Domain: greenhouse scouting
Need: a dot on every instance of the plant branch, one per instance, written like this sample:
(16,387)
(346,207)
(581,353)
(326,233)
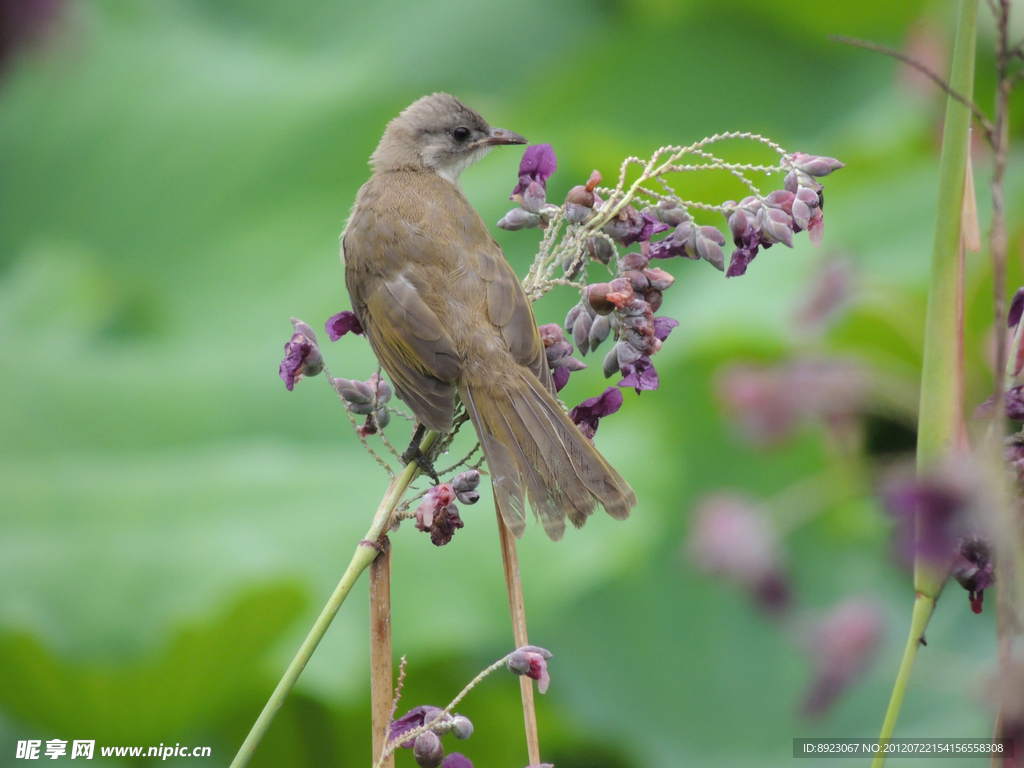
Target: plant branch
(967,101)
(381,662)
(365,553)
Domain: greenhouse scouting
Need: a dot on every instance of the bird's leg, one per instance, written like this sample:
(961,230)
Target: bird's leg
(413,453)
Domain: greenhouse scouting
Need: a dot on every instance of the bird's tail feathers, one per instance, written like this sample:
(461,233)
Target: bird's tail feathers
(532,446)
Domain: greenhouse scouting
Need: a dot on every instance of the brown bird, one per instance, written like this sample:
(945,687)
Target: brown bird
(447,317)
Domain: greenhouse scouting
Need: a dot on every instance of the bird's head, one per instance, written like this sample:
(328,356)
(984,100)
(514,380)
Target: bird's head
(438,133)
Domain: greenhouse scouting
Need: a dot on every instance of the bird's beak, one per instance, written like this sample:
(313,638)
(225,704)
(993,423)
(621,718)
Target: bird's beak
(500,136)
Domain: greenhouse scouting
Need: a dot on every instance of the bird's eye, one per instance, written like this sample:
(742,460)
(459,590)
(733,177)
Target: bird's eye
(461,133)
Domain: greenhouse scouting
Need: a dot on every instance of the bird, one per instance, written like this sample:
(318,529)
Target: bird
(449,320)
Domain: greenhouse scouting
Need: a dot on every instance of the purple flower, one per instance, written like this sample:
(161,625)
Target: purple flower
(559,354)
(1014,404)
(973,569)
(639,374)
(587,414)
(301,355)
(1016,309)
(457,760)
(532,661)
(931,512)
(538,163)
(342,323)
(410,721)
(663,327)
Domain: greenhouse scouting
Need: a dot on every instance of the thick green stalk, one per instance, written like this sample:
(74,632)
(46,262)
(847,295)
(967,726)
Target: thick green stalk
(365,554)
(940,423)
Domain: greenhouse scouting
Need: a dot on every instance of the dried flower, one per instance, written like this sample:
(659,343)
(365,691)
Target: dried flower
(438,515)
(973,568)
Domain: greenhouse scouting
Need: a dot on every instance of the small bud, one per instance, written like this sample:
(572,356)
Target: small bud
(776,226)
(531,660)
(633,260)
(518,218)
(383,417)
(597,297)
(570,318)
(659,279)
(466,481)
(600,249)
(671,213)
(638,280)
(709,242)
(599,331)
(579,204)
(462,727)
(354,391)
(305,330)
(468,497)
(611,362)
(428,750)
(816,166)
(581,333)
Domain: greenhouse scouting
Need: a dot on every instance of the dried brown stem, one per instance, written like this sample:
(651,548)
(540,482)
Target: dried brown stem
(941,82)
(381,663)
(515,600)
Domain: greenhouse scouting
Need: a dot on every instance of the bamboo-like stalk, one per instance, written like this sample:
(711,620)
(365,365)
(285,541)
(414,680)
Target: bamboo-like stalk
(381,661)
(940,424)
(514,584)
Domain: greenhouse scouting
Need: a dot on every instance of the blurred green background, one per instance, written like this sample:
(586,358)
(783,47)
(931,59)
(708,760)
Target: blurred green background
(174,176)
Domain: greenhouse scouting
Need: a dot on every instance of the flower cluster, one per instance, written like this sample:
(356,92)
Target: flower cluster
(437,513)
(426,746)
(366,398)
(559,355)
(757,222)
(301,355)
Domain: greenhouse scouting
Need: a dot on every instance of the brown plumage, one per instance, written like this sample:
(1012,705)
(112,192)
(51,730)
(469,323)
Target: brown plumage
(447,317)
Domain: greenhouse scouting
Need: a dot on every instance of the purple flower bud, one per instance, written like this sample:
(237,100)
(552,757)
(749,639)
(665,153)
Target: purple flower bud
(932,513)
(587,414)
(462,727)
(597,296)
(537,165)
(355,392)
(534,197)
(1016,309)
(468,497)
(581,333)
(531,661)
(611,366)
(671,213)
(776,227)
(842,646)
(816,166)
(305,330)
(427,750)
(518,218)
(579,204)
(973,568)
(301,358)
(709,242)
(343,322)
(457,760)
(600,329)
(600,249)
(560,377)
(1013,402)
(659,279)
(627,227)
(383,417)
(466,481)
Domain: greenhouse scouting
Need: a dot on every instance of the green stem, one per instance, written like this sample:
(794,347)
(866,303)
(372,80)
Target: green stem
(940,429)
(365,554)
(923,608)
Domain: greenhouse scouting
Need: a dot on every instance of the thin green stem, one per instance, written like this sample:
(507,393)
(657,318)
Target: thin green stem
(923,608)
(365,553)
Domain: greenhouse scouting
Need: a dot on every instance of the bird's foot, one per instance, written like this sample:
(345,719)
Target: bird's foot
(413,453)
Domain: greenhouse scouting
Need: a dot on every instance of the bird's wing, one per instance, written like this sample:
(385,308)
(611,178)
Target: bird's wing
(510,310)
(414,348)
